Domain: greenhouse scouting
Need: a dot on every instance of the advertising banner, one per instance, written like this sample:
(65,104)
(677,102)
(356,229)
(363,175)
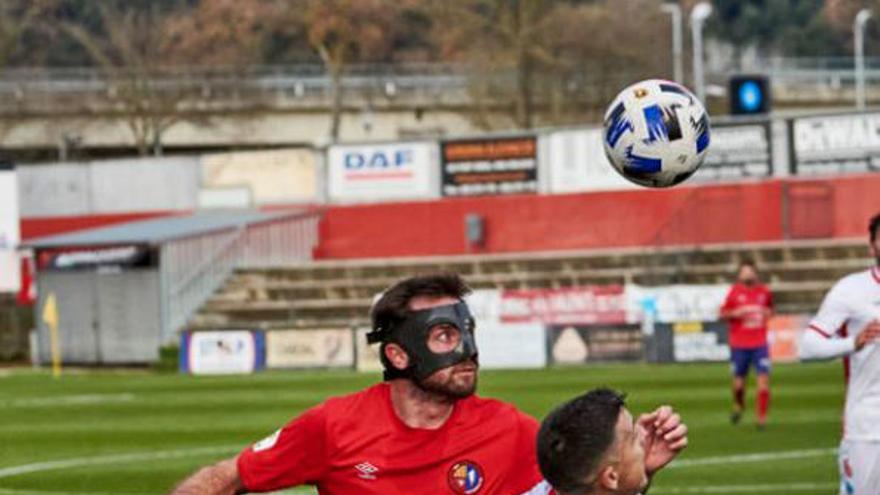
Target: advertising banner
(367,355)
(511,345)
(836,143)
(737,152)
(382,172)
(784,336)
(573,305)
(119,257)
(675,303)
(271,176)
(700,341)
(485,305)
(575,161)
(324,348)
(10,265)
(578,344)
(222,352)
(474,167)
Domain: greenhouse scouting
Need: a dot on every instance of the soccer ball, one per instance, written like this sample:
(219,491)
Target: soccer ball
(656,133)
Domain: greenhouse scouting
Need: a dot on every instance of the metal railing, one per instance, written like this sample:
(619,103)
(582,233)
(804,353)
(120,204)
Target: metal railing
(194,268)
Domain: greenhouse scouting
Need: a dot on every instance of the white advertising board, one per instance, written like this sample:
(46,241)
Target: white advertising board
(367,354)
(837,143)
(324,348)
(522,345)
(223,352)
(383,172)
(574,160)
(676,303)
(10,265)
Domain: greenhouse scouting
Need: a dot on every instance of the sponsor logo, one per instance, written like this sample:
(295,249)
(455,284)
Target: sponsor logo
(465,477)
(366,471)
(382,164)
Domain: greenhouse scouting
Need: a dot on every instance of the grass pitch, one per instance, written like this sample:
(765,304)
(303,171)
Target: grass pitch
(133,432)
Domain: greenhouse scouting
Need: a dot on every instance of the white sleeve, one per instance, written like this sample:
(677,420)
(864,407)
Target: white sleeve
(833,313)
(822,338)
(814,345)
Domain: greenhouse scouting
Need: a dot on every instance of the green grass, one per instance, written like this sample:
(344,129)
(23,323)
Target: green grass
(100,417)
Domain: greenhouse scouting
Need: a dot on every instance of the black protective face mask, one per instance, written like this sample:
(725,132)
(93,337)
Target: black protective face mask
(412,335)
(748,282)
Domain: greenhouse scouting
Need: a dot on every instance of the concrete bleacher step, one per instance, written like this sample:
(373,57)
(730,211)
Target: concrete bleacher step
(334,293)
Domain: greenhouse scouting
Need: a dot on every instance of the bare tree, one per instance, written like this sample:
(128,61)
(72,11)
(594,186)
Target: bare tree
(504,41)
(16,17)
(344,31)
(547,62)
(130,52)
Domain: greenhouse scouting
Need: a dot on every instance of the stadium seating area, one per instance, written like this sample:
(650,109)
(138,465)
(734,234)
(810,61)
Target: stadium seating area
(339,293)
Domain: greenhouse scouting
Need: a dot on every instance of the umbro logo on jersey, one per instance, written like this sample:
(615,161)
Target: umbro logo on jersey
(366,471)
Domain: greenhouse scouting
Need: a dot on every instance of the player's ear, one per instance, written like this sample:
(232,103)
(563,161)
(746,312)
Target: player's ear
(396,356)
(608,478)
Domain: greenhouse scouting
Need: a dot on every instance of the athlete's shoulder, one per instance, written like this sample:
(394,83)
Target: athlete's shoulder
(357,403)
(856,281)
(496,411)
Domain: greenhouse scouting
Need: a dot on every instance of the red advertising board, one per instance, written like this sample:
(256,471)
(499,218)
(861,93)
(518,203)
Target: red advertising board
(785,333)
(572,305)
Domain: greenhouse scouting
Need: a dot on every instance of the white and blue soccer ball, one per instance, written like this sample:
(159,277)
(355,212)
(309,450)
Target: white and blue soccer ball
(656,133)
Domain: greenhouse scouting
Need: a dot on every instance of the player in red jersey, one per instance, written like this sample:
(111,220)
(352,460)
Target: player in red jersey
(421,431)
(748,307)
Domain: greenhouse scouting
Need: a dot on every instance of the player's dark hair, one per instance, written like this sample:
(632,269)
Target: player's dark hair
(874,227)
(575,437)
(393,307)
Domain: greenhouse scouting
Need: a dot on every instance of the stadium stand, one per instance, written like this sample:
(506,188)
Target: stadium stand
(339,293)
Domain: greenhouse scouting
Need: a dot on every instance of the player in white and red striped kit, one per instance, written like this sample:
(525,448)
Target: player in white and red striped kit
(848,326)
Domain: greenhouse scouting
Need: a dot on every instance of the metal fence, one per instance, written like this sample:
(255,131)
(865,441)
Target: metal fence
(194,268)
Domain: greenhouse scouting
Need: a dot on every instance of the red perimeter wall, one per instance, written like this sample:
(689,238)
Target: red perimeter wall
(742,212)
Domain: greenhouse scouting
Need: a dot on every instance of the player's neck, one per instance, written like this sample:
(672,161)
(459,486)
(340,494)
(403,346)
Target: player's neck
(419,408)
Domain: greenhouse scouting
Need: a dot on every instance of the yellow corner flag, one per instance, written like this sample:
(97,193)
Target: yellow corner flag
(50,318)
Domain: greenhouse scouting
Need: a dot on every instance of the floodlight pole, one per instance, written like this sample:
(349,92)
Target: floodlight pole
(674,10)
(859,40)
(699,14)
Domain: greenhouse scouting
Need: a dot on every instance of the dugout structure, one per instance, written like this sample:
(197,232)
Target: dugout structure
(124,291)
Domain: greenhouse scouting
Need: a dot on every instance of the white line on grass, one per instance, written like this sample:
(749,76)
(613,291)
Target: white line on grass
(14,491)
(763,456)
(68,400)
(768,487)
(38,467)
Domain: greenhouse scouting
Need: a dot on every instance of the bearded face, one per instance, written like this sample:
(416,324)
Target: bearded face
(455,382)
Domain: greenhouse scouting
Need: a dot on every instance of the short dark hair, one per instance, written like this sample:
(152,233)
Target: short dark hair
(393,307)
(874,227)
(574,438)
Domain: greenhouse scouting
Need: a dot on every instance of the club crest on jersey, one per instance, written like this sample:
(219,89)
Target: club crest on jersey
(465,477)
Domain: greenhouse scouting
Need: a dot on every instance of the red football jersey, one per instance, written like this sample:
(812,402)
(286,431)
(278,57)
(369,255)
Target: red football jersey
(749,331)
(358,444)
